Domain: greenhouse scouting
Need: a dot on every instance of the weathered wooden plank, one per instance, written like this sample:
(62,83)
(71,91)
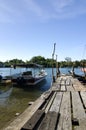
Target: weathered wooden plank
(34,120)
(65,113)
(57,102)
(69,88)
(78,111)
(67,81)
(49,122)
(59,81)
(49,103)
(63,88)
(46,94)
(58,84)
(47,98)
(62,82)
(78,86)
(83,96)
(56,87)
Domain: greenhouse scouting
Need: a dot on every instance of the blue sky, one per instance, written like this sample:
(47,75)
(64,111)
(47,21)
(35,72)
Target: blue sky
(30,28)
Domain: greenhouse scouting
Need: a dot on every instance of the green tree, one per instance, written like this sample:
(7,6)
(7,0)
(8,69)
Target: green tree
(38,59)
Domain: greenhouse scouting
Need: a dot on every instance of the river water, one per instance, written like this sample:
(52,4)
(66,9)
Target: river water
(15,99)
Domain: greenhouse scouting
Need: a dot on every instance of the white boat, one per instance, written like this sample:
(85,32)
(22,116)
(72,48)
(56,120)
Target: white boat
(29,78)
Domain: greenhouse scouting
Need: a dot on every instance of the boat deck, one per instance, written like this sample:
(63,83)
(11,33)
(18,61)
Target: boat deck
(63,107)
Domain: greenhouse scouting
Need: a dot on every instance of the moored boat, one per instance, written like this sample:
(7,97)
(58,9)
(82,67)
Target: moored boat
(29,78)
(81,78)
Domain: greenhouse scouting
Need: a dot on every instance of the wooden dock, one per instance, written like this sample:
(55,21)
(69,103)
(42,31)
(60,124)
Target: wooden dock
(63,107)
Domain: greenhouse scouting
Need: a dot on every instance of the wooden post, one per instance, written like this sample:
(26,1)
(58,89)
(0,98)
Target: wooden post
(52,66)
(53,77)
(73,72)
(56,66)
(84,64)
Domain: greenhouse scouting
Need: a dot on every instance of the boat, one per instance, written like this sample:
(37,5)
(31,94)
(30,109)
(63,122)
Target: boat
(81,78)
(29,77)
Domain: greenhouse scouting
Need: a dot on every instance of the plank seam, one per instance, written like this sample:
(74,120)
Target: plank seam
(82,101)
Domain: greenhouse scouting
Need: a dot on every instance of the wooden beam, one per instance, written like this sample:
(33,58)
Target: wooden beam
(83,96)
(65,113)
(57,102)
(34,120)
(78,111)
(49,122)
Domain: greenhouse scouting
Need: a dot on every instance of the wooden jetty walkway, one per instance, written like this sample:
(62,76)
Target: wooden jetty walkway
(62,107)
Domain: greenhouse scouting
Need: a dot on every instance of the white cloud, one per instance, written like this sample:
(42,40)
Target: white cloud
(62,9)
(25,10)
(32,6)
(59,5)
(8,11)
(18,10)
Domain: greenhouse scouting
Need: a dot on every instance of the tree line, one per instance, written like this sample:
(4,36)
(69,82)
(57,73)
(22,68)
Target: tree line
(45,62)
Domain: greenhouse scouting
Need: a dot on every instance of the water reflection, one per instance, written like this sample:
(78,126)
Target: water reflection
(17,94)
(4,96)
